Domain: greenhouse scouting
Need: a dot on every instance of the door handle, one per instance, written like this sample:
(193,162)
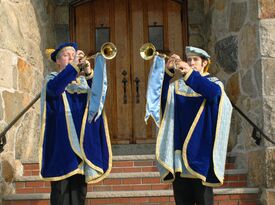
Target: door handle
(137,89)
(124,81)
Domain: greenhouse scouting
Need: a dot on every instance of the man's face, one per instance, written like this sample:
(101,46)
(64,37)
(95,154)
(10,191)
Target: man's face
(65,57)
(196,63)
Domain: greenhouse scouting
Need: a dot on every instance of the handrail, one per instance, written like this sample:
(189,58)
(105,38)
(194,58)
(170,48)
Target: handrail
(3,139)
(256,129)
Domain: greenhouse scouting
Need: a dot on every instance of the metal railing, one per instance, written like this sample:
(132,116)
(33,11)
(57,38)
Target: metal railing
(3,139)
(257,133)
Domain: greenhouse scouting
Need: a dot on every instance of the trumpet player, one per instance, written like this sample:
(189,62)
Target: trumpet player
(73,151)
(193,133)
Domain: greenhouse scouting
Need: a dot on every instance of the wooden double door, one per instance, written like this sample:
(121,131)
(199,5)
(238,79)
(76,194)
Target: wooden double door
(129,24)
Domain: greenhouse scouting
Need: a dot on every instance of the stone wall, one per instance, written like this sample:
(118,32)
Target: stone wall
(234,45)
(25,31)
(240,37)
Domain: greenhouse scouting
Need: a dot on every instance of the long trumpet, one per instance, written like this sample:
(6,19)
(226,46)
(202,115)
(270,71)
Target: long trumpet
(108,50)
(147,51)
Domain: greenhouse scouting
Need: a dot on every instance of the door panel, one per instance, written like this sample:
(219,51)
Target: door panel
(128,22)
(123,73)
(83,33)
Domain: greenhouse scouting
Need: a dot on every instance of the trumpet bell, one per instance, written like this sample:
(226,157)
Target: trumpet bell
(147,51)
(108,50)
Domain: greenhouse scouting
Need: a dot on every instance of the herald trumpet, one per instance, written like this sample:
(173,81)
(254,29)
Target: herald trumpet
(147,51)
(108,50)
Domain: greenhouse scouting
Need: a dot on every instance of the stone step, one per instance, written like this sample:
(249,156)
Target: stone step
(125,181)
(223,196)
(134,180)
(129,172)
(123,164)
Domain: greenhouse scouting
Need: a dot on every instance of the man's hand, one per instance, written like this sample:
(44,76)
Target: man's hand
(182,66)
(87,68)
(83,64)
(78,56)
(171,61)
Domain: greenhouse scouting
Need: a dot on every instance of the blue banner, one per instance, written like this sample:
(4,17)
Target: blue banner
(153,96)
(98,90)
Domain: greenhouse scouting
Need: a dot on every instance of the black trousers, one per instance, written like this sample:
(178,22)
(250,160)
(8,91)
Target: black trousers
(70,191)
(189,191)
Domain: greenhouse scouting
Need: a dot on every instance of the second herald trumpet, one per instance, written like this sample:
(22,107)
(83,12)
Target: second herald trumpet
(147,51)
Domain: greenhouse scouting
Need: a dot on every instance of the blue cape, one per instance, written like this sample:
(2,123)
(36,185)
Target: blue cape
(194,130)
(69,143)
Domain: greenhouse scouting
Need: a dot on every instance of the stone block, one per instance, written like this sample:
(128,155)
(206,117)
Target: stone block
(270,167)
(194,29)
(256,168)
(226,51)
(7,171)
(8,74)
(268,76)
(238,15)
(267,9)
(270,196)
(5,188)
(258,76)
(220,5)
(249,85)
(211,2)
(252,108)
(269,118)
(61,2)
(26,76)
(1,108)
(214,68)
(253,12)
(195,17)
(62,15)
(249,48)
(261,166)
(28,134)
(267,196)
(20,31)
(267,37)
(197,41)
(233,87)
(37,82)
(10,136)
(219,24)
(62,33)
(235,129)
(3,125)
(14,103)
(11,169)
(196,5)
